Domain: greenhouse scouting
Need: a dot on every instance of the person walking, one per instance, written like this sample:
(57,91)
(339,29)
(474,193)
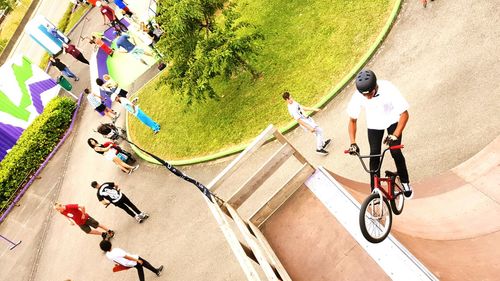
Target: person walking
(108,13)
(76,215)
(306,122)
(124,259)
(110,193)
(96,101)
(136,111)
(386,109)
(126,44)
(74,52)
(64,69)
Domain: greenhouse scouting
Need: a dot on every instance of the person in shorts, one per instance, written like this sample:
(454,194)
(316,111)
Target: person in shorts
(76,215)
(126,44)
(97,104)
(306,122)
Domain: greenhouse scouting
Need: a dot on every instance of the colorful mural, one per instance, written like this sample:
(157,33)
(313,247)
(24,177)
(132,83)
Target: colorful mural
(25,89)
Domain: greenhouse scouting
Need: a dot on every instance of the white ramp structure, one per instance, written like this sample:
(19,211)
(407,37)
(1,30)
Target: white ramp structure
(270,235)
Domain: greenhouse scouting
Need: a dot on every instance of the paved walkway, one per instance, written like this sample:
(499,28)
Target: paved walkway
(442,59)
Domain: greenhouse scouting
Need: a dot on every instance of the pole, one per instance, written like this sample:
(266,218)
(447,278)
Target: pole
(12,243)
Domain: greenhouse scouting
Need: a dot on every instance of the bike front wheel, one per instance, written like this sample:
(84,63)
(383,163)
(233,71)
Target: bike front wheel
(398,202)
(375,218)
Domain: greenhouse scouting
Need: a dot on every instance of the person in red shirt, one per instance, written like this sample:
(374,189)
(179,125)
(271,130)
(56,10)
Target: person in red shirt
(107,12)
(99,42)
(74,52)
(76,215)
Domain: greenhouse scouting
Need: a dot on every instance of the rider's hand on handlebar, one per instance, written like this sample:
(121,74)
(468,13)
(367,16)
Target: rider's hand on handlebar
(353,149)
(390,140)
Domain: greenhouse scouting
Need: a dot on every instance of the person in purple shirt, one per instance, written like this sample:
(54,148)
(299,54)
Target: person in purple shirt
(126,44)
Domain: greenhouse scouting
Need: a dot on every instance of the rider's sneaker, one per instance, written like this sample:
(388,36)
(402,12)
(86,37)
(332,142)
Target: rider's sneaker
(408,191)
(321,151)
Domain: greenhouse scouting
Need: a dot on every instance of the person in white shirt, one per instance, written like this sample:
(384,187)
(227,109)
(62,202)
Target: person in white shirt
(125,259)
(306,122)
(386,109)
(97,103)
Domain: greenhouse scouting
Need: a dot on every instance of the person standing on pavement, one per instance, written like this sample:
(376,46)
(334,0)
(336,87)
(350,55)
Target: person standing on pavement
(74,52)
(125,259)
(134,109)
(100,43)
(110,193)
(64,69)
(108,13)
(96,101)
(76,215)
(306,122)
(386,109)
(126,44)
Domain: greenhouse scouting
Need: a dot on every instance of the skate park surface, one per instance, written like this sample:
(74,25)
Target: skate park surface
(441,58)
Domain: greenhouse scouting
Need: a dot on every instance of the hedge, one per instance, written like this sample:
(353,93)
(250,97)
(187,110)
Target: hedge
(34,145)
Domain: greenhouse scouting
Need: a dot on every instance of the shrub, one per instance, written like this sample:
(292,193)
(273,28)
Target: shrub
(34,145)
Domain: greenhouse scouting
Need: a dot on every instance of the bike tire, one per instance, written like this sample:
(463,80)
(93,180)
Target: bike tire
(370,204)
(398,203)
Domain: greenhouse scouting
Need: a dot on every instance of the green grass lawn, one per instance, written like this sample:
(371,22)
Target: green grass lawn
(309,47)
(12,21)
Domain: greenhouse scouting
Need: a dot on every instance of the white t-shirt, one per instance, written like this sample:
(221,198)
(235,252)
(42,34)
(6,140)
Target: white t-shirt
(297,112)
(383,110)
(295,109)
(118,255)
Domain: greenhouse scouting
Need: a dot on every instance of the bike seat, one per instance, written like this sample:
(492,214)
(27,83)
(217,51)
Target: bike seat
(390,174)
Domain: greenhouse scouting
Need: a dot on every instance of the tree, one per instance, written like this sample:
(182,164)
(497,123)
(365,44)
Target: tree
(6,4)
(205,39)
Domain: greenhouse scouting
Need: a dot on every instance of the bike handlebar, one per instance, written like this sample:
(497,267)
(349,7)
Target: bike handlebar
(394,147)
(390,147)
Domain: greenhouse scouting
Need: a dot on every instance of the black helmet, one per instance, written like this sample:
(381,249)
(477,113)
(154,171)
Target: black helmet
(366,81)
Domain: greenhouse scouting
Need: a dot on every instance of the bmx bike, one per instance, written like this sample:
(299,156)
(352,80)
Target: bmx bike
(375,216)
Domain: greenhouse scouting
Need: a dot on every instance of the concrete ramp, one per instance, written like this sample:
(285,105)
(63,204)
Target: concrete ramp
(316,236)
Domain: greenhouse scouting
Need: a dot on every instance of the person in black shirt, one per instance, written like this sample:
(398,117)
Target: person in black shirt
(109,193)
(64,69)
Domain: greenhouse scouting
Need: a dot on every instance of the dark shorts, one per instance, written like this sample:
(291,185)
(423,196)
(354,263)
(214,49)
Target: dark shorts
(89,223)
(100,108)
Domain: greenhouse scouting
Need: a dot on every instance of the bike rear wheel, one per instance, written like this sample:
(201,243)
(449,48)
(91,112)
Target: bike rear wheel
(398,202)
(375,218)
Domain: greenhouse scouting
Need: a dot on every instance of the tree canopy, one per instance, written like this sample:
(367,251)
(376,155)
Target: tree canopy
(202,40)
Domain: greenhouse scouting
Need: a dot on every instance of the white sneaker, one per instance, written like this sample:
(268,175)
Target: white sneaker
(138,218)
(408,191)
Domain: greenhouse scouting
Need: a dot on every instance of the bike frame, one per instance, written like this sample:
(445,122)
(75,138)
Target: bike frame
(377,179)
